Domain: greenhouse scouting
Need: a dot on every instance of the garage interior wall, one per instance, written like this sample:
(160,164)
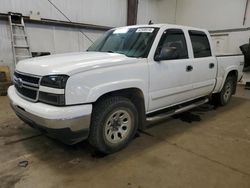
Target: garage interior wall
(159,11)
(219,16)
(57,39)
(213,15)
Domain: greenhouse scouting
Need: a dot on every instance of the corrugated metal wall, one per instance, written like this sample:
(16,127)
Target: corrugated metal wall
(159,11)
(113,13)
(100,12)
(212,14)
(45,39)
(217,15)
(60,39)
(5,44)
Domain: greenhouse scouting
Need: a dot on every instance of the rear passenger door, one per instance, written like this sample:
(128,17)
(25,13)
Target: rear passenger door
(204,64)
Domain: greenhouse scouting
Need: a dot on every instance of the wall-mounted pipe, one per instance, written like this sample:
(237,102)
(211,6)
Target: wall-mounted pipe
(52,22)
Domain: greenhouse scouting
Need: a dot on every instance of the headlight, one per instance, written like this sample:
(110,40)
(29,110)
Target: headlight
(57,82)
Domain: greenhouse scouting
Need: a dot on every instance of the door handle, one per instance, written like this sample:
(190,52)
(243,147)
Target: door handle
(189,68)
(211,65)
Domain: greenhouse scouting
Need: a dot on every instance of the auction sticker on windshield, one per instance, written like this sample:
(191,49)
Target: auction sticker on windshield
(144,30)
(121,30)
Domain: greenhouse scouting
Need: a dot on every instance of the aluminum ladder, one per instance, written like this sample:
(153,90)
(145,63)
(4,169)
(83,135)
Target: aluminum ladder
(19,39)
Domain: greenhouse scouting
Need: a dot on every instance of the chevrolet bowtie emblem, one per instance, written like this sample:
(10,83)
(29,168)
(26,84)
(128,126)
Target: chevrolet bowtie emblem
(19,82)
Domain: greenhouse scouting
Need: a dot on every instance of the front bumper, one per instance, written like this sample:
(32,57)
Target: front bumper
(68,124)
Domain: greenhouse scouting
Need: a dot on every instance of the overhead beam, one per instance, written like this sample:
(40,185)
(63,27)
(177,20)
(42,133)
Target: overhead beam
(52,22)
(132,9)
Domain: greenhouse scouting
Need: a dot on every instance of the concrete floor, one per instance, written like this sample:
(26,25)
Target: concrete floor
(208,147)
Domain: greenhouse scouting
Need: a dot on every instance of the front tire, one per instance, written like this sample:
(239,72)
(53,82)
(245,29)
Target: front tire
(114,123)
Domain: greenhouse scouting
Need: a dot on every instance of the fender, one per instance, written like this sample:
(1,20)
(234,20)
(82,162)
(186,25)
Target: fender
(98,91)
(88,86)
(228,69)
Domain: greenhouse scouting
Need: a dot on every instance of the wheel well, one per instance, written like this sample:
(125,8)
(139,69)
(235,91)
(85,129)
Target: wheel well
(233,73)
(136,96)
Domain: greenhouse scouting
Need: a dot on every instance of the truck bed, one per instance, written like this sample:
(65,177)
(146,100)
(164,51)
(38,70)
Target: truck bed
(226,63)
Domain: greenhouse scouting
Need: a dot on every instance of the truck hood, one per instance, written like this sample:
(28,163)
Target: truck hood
(70,63)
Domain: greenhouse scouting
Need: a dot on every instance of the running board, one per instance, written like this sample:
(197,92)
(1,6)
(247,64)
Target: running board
(176,111)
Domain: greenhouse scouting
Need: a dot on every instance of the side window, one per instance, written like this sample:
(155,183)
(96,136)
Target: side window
(200,43)
(174,38)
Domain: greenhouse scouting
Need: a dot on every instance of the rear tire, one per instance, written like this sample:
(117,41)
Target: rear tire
(227,91)
(114,123)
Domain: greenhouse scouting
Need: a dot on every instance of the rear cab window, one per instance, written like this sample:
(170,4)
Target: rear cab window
(200,44)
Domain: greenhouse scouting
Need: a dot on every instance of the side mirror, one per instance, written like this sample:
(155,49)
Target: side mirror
(167,53)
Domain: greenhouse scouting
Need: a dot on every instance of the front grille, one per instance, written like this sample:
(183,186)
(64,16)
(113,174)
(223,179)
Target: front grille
(27,78)
(27,86)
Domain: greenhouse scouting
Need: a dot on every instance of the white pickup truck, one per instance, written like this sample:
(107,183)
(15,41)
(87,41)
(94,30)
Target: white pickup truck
(127,78)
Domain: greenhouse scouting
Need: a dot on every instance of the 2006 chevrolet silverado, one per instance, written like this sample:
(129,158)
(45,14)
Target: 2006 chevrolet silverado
(128,77)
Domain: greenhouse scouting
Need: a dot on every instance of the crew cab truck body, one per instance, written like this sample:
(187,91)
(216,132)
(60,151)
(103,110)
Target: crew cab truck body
(127,77)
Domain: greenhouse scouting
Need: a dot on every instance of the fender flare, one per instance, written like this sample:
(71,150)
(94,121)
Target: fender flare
(96,92)
(227,71)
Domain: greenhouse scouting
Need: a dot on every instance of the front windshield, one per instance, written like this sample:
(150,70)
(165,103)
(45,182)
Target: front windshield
(132,42)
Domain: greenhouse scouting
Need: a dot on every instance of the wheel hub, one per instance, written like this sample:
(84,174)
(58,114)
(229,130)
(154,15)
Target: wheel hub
(115,125)
(118,126)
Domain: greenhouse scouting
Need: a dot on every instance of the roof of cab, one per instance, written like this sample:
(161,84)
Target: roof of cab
(164,25)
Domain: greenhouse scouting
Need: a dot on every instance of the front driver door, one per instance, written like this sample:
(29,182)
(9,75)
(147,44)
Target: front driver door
(170,80)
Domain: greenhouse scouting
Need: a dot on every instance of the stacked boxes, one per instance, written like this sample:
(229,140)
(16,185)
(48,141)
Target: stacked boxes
(5,80)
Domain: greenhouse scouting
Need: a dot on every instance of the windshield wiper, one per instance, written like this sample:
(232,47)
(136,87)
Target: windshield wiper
(110,51)
(117,52)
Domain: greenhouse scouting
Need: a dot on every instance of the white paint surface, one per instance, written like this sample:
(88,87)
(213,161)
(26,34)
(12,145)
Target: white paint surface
(93,74)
